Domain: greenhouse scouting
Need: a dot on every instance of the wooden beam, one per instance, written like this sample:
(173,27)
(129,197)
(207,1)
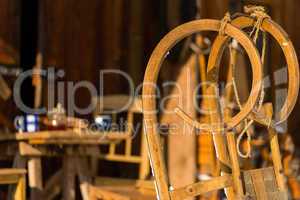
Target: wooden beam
(26,149)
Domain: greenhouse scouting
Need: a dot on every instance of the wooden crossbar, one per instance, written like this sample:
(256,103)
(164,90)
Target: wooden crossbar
(202,187)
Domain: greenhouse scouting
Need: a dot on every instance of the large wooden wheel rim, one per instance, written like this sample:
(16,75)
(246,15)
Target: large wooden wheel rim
(287,47)
(151,76)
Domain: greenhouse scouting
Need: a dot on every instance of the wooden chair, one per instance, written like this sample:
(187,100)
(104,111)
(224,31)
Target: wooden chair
(116,188)
(15,176)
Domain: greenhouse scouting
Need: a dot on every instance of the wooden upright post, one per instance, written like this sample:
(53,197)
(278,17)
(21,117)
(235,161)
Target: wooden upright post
(68,181)
(35,178)
(20,193)
(35,164)
(275,151)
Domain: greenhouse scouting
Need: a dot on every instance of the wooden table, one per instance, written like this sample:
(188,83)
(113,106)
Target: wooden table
(74,147)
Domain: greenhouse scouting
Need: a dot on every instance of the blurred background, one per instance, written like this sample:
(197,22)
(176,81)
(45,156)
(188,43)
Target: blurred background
(82,37)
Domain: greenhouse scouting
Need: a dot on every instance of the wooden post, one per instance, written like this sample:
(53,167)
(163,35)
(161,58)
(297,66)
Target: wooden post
(145,164)
(84,177)
(20,193)
(35,178)
(37,81)
(68,180)
(35,164)
(20,163)
(218,136)
(207,161)
(235,167)
(275,151)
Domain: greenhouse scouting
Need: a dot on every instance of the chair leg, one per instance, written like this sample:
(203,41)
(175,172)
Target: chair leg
(20,192)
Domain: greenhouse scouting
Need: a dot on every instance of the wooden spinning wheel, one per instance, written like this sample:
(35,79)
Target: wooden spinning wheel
(149,108)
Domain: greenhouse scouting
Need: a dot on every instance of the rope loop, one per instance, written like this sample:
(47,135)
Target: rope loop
(259,13)
(239,139)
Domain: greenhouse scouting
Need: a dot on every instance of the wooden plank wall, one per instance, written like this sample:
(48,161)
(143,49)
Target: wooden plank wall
(70,35)
(83,38)
(10,22)
(10,17)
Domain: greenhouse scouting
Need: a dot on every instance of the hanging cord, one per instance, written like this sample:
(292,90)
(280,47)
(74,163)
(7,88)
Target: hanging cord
(259,13)
(226,19)
(247,123)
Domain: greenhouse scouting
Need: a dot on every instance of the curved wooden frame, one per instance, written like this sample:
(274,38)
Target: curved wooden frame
(149,102)
(287,47)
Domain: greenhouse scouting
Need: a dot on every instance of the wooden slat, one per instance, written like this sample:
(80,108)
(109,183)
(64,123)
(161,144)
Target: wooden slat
(119,182)
(118,103)
(9,179)
(99,193)
(121,158)
(68,134)
(26,149)
(12,171)
(202,187)
(114,181)
(67,142)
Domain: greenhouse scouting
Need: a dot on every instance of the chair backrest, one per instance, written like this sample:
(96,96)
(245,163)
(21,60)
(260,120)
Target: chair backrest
(117,104)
